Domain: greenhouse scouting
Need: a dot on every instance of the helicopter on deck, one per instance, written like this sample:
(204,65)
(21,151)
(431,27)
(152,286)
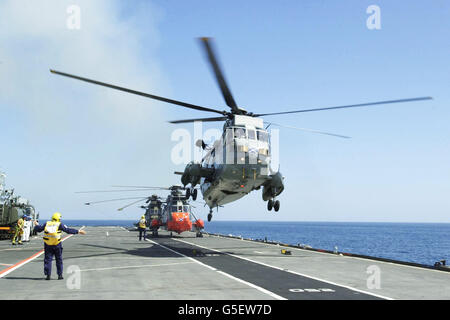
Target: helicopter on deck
(173,213)
(238,162)
(12,208)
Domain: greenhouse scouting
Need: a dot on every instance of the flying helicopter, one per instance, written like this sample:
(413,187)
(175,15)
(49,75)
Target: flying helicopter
(173,213)
(238,162)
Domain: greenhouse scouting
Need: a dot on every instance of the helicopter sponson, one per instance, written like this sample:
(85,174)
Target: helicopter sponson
(273,186)
(194,172)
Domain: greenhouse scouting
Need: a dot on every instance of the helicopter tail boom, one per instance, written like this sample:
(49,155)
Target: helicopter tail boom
(193,172)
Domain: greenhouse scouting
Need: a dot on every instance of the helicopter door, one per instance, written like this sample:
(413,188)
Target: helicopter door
(252,145)
(241,142)
(228,147)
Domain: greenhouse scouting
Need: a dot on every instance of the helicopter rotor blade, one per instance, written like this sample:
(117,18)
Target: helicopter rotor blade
(130,204)
(102,191)
(200,119)
(208,47)
(117,199)
(147,95)
(142,187)
(347,106)
(311,130)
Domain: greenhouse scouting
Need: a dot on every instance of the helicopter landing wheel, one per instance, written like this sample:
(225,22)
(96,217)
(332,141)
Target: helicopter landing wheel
(199,235)
(270,205)
(209,216)
(276,205)
(194,194)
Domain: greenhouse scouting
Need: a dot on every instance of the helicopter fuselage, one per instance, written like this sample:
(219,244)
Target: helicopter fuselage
(174,214)
(236,164)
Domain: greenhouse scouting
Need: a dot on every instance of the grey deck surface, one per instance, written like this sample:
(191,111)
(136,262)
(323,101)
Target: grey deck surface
(110,263)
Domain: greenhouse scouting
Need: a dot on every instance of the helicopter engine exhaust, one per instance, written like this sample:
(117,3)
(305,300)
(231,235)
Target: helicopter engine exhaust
(194,172)
(273,187)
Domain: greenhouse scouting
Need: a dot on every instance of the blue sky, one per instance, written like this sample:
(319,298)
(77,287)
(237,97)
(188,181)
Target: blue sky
(63,136)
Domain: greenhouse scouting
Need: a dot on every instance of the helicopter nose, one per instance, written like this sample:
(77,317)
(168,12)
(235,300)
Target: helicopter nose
(180,222)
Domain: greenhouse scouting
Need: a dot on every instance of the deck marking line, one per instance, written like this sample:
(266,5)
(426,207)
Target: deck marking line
(139,266)
(192,259)
(10,269)
(293,272)
(19,264)
(273,295)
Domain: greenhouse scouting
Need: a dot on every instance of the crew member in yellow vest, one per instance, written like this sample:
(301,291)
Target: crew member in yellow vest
(52,243)
(142,228)
(18,231)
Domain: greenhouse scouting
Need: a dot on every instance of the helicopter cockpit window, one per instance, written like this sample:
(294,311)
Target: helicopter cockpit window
(262,136)
(239,133)
(251,134)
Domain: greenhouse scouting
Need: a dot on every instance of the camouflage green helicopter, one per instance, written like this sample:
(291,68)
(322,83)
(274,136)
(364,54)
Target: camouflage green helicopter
(12,208)
(240,161)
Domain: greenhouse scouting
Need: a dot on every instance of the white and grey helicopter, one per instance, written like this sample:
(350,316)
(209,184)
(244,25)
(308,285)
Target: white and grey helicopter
(238,162)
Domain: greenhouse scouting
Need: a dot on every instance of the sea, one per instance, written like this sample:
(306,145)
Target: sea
(423,243)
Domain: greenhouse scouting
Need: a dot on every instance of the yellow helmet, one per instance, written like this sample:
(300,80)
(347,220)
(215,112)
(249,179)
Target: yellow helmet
(143,217)
(56,216)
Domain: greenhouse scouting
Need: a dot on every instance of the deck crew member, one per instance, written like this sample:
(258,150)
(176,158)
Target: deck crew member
(142,228)
(18,231)
(52,243)
(26,229)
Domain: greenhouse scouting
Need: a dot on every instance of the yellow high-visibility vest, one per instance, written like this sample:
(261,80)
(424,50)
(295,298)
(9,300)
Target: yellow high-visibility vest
(52,234)
(20,223)
(142,223)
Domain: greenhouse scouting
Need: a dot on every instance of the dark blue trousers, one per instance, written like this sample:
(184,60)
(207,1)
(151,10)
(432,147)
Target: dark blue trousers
(49,252)
(142,232)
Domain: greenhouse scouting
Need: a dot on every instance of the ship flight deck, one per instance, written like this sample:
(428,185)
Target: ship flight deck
(110,263)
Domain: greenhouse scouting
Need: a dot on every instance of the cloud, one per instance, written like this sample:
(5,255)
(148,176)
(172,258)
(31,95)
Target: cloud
(66,135)
(108,46)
